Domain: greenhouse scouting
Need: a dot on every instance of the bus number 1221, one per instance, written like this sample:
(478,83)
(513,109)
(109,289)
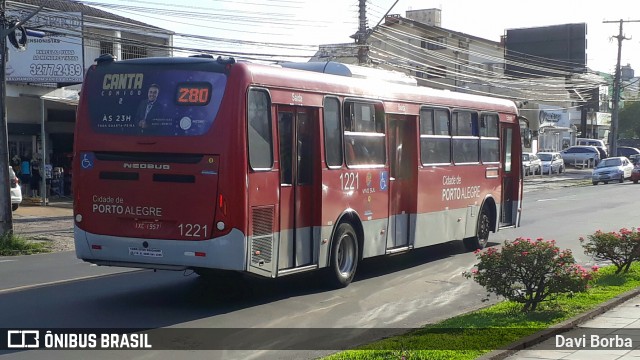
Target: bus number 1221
(193,230)
(349,181)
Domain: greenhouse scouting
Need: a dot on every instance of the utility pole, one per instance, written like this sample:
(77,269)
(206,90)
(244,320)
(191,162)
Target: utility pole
(361,35)
(6,217)
(613,145)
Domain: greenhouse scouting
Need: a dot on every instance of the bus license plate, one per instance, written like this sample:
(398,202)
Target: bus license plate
(145,252)
(144,225)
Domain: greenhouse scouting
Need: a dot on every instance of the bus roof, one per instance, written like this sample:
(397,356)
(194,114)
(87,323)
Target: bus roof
(275,76)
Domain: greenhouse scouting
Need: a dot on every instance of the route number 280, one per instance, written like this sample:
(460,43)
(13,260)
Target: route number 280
(193,230)
(349,181)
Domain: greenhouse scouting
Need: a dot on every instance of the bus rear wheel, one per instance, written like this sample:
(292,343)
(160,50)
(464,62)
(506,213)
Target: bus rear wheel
(481,239)
(344,256)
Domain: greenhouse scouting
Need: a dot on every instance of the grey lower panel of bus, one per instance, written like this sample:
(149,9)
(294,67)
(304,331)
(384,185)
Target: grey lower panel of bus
(226,252)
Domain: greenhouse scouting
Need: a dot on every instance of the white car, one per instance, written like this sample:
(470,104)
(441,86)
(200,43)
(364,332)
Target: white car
(531,164)
(612,169)
(551,162)
(16,192)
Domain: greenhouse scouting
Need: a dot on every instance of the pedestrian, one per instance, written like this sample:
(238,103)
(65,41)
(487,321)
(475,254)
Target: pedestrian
(15,164)
(48,175)
(36,177)
(25,175)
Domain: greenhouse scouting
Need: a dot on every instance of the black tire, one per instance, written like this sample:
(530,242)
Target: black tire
(479,241)
(344,256)
(594,182)
(621,180)
(14,207)
(635,181)
(605,182)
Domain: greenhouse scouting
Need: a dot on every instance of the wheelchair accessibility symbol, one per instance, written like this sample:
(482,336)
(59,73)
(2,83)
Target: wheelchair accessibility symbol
(383,180)
(87,160)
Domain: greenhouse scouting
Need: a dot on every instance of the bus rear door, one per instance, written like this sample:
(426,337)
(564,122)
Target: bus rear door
(510,175)
(296,150)
(402,187)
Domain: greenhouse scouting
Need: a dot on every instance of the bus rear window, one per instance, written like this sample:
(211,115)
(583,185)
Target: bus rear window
(151,101)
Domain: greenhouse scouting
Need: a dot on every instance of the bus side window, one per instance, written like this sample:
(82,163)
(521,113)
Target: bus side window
(364,136)
(466,139)
(489,140)
(435,142)
(332,132)
(259,130)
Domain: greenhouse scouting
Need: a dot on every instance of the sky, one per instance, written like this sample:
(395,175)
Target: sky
(292,23)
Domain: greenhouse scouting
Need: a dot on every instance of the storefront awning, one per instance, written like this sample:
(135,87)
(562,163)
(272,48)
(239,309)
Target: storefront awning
(61,100)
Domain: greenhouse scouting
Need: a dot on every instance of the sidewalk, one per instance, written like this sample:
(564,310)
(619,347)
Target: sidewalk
(570,173)
(609,332)
(32,207)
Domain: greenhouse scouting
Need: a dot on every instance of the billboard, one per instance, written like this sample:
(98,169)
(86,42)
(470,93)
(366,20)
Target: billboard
(55,58)
(537,52)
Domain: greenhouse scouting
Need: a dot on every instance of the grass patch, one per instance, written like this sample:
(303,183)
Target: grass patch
(11,245)
(471,335)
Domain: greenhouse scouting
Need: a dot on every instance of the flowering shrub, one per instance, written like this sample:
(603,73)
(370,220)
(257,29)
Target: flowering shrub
(529,272)
(620,248)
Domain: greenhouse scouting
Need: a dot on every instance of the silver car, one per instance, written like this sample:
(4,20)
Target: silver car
(16,192)
(612,169)
(581,155)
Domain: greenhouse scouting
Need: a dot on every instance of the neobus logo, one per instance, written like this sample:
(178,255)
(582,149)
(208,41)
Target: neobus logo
(147,166)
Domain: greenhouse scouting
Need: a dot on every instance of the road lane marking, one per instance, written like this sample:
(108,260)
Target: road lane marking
(64,281)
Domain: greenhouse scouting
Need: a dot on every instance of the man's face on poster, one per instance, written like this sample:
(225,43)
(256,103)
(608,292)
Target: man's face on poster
(153,93)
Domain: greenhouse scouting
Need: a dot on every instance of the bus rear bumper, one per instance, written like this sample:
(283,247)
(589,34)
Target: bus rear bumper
(226,252)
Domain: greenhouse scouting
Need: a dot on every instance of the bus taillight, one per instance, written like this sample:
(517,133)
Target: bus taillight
(222,204)
(221,225)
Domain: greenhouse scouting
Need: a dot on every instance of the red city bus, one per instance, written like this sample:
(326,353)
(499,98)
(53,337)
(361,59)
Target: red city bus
(208,164)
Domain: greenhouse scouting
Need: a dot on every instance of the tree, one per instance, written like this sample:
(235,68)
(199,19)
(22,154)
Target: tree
(629,121)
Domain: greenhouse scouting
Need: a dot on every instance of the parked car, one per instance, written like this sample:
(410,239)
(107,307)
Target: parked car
(16,191)
(581,155)
(551,162)
(627,151)
(635,174)
(616,168)
(599,144)
(531,164)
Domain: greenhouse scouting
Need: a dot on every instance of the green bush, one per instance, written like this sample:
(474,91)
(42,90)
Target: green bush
(529,272)
(16,245)
(620,248)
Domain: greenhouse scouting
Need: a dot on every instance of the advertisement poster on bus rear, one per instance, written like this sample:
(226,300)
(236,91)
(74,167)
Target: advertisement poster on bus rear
(125,99)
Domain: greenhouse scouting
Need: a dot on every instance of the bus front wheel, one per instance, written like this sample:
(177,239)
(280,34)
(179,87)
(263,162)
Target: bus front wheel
(344,256)
(481,239)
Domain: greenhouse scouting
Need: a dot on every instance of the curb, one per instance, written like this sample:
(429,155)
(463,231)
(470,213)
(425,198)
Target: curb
(562,327)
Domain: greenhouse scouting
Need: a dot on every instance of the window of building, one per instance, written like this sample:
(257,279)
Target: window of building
(106,47)
(437,72)
(133,52)
(434,43)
